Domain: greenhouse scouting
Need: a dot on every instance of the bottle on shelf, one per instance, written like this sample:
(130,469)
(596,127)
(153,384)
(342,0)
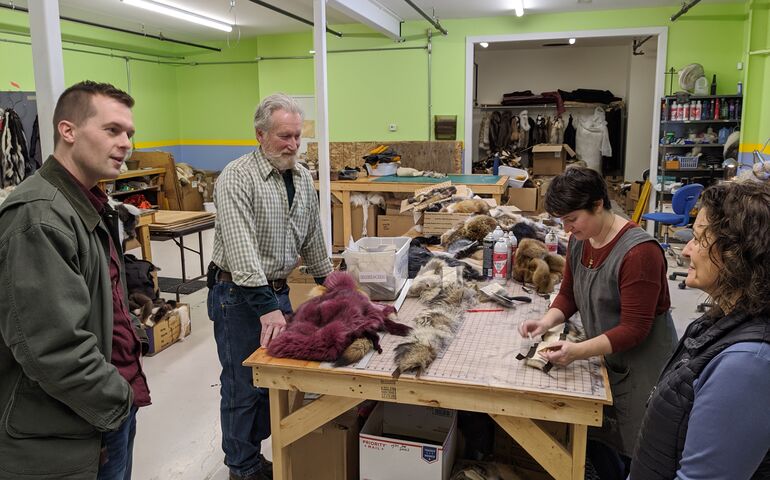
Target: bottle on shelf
(686,110)
(738,106)
(716,109)
(663,110)
(680,112)
(674,113)
(712,106)
(724,114)
(731,110)
(714,85)
(698,110)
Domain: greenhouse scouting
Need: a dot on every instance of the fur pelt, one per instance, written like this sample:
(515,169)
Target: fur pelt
(533,264)
(419,256)
(440,288)
(473,205)
(142,303)
(323,327)
(475,228)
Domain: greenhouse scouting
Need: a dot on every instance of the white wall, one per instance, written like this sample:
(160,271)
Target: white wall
(641,102)
(550,68)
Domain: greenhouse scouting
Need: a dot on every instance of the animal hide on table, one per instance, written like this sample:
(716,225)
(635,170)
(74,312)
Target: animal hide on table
(534,264)
(567,331)
(324,327)
(441,289)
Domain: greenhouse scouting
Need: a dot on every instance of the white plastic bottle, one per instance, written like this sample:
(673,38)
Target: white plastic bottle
(686,111)
(552,242)
(497,233)
(513,244)
(674,112)
(500,260)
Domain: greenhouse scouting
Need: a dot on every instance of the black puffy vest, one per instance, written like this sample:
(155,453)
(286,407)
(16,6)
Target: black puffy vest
(664,429)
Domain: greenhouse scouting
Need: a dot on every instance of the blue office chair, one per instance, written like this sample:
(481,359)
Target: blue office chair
(683,202)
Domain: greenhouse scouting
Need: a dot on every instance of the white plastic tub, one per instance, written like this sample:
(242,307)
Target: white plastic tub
(383,169)
(380,265)
(514,175)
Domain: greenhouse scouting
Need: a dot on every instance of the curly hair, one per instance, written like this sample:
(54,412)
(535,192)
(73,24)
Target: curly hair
(738,239)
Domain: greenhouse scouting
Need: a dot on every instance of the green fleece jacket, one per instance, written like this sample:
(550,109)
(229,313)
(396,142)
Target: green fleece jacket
(58,390)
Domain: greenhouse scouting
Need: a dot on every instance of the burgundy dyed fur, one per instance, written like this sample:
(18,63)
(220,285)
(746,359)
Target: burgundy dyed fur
(323,327)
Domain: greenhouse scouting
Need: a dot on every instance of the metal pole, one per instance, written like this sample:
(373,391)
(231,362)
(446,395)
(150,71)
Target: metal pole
(291,15)
(322,121)
(426,17)
(685,8)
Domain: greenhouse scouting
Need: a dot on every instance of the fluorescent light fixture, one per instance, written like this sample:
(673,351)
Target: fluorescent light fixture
(571,41)
(518,6)
(175,12)
(484,44)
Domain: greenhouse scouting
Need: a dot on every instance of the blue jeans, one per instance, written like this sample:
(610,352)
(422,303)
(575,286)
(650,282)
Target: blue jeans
(119,449)
(244,408)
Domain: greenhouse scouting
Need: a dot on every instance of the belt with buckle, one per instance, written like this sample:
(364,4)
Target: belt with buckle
(276,285)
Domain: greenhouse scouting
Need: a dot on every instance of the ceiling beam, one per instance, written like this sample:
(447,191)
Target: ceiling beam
(371,13)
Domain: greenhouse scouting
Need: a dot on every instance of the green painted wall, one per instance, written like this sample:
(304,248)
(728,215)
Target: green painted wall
(756,118)
(367,91)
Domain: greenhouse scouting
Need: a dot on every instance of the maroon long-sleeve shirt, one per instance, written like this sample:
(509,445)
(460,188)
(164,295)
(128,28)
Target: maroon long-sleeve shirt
(643,289)
(126,347)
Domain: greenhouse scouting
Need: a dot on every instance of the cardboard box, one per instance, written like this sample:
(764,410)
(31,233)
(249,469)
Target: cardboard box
(526,199)
(408,441)
(356,221)
(437,223)
(394,225)
(550,159)
(192,200)
(329,452)
(168,331)
(300,284)
(635,191)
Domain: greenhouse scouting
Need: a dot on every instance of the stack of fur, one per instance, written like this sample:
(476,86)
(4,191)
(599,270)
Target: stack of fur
(442,291)
(339,324)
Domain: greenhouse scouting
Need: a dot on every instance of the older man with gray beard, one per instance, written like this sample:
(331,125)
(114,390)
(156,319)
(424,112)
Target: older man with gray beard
(267,217)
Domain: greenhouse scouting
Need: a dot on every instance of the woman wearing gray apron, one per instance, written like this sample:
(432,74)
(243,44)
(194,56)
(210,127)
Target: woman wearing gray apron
(615,277)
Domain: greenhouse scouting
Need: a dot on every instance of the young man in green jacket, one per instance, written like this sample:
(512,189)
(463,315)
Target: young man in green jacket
(70,375)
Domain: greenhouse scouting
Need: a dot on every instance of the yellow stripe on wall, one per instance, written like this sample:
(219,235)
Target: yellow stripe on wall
(750,147)
(173,143)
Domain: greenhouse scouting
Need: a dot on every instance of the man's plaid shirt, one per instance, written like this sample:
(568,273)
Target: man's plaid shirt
(257,237)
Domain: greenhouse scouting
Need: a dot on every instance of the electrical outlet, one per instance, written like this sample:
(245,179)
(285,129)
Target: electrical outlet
(739,66)
(392,127)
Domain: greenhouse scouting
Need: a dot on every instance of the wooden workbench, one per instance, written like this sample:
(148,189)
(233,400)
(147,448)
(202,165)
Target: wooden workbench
(514,403)
(341,190)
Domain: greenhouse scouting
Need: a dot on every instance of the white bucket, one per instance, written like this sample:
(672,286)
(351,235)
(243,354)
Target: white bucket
(383,169)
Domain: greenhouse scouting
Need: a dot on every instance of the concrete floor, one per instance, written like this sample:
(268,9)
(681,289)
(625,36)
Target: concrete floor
(178,436)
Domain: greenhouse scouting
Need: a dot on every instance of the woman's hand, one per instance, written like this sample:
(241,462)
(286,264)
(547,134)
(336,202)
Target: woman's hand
(532,328)
(562,353)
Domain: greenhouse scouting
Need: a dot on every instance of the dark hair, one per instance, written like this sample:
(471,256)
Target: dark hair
(578,188)
(738,239)
(75,104)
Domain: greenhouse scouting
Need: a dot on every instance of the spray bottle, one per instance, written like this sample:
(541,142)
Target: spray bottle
(486,265)
(552,242)
(513,244)
(500,260)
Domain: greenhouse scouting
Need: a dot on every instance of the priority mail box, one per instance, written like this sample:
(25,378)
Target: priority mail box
(408,441)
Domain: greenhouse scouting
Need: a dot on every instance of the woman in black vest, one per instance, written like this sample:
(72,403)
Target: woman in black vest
(709,415)
(615,277)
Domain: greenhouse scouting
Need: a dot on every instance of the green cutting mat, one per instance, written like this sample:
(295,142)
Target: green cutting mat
(455,179)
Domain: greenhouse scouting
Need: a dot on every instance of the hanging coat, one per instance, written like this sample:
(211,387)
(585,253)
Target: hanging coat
(570,134)
(592,140)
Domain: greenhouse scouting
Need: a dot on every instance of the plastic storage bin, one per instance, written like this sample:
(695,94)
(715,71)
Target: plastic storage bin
(688,163)
(516,176)
(383,169)
(380,265)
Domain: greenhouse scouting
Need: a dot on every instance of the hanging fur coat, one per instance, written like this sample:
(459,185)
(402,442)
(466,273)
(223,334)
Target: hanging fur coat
(541,131)
(325,326)
(13,149)
(524,130)
(570,134)
(556,131)
(484,132)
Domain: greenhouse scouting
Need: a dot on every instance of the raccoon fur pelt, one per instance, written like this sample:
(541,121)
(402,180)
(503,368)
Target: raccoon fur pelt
(472,205)
(323,327)
(533,264)
(474,228)
(440,288)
